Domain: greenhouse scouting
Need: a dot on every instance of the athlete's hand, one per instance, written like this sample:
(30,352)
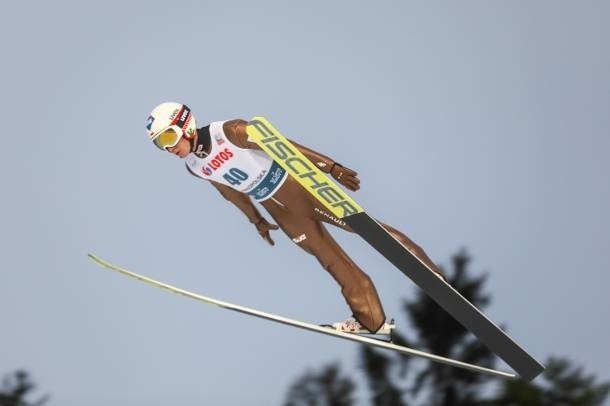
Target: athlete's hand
(345,176)
(263,228)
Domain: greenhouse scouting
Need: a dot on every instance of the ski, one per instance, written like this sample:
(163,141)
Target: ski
(300,324)
(343,207)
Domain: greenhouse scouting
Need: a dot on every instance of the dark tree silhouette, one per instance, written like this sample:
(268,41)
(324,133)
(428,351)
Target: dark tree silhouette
(441,334)
(377,367)
(561,384)
(327,388)
(396,379)
(16,387)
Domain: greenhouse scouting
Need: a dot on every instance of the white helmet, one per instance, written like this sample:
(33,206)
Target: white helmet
(168,122)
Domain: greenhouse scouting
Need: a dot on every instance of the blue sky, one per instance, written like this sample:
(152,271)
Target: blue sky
(481,125)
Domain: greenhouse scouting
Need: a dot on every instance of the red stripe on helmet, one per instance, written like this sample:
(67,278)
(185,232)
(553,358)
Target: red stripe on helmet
(175,120)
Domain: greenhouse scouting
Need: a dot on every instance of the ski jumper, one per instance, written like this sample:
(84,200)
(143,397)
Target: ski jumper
(241,171)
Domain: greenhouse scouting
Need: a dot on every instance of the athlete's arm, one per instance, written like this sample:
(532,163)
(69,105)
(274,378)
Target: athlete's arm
(236,132)
(243,203)
(345,176)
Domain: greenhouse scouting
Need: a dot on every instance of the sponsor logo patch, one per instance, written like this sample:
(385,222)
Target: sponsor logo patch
(199,151)
(300,238)
(330,217)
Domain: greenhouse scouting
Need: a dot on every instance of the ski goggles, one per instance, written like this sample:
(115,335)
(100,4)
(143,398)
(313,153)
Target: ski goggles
(168,138)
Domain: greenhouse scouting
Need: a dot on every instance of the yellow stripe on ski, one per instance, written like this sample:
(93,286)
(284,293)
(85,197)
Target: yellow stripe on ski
(302,169)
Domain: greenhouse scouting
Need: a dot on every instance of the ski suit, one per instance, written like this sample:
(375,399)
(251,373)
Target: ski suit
(241,172)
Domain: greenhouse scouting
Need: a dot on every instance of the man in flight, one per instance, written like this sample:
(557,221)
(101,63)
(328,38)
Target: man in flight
(222,154)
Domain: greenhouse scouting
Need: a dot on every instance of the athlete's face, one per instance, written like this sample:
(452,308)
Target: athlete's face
(181,149)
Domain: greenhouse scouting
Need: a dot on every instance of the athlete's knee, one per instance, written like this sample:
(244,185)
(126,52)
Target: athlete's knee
(399,235)
(364,282)
(359,283)
(414,248)
(408,243)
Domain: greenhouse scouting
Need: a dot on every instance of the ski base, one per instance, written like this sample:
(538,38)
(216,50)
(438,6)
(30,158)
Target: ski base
(303,325)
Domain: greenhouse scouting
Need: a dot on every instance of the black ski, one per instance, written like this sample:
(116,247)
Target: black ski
(339,203)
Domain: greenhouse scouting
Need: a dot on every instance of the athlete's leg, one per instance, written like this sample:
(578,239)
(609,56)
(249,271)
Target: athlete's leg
(356,286)
(413,248)
(303,203)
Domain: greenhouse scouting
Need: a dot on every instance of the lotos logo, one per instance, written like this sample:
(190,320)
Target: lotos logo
(149,122)
(217,161)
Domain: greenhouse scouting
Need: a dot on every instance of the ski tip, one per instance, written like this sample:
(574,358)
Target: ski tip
(97,260)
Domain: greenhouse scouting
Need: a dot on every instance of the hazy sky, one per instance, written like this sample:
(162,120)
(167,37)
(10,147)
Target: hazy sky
(475,124)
